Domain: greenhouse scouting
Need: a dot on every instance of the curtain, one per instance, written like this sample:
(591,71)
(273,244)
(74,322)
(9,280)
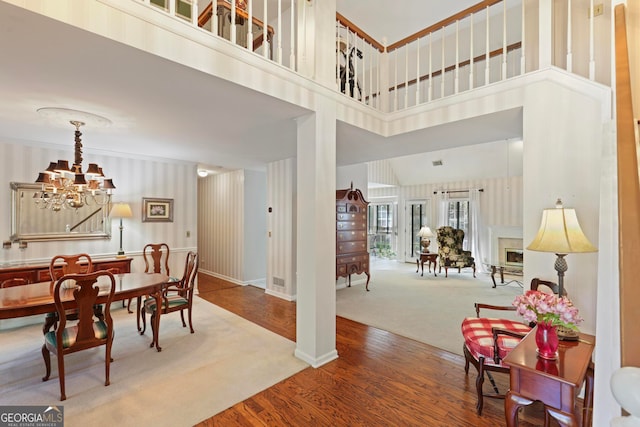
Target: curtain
(442,200)
(475,227)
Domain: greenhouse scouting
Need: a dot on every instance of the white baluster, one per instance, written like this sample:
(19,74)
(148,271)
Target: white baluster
(471,80)
(486,55)
(355,64)
(456,80)
(266,43)
(406,76)
(214,19)
(522,50)
(430,90)
(172,7)
(250,26)
(569,54)
(337,54)
(417,71)
(279,32)
(233,21)
(443,68)
(372,52)
(194,13)
(592,60)
(504,39)
(395,82)
(292,54)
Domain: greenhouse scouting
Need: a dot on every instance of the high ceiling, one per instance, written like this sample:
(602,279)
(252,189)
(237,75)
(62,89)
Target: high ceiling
(50,64)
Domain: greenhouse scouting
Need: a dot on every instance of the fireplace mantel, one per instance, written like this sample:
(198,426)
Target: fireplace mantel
(496,233)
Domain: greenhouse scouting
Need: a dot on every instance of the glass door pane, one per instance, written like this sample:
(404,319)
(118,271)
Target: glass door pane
(416,217)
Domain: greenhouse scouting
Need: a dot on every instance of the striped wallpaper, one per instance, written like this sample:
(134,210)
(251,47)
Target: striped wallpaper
(134,179)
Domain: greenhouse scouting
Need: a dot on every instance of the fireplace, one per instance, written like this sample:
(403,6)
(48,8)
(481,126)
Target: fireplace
(513,256)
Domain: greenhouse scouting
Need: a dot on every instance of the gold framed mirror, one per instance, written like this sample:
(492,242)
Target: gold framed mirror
(31,222)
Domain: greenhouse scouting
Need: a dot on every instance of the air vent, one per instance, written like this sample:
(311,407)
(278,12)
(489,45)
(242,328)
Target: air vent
(278,281)
(437,163)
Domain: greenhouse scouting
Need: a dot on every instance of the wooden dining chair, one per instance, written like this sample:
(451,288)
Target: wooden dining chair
(156,260)
(89,331)
(9,283)
(61,265)
(176,296)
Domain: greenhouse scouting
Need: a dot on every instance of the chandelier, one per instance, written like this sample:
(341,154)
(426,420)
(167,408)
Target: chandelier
(66,188)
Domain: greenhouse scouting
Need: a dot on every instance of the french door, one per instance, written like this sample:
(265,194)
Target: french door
(417,215)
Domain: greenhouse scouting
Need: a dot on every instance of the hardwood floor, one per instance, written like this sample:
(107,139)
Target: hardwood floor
(379,379)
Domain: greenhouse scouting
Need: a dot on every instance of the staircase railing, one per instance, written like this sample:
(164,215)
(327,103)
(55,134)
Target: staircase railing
(491,41)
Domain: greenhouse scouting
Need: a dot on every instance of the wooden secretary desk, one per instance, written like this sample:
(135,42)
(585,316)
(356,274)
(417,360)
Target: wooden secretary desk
(352,256)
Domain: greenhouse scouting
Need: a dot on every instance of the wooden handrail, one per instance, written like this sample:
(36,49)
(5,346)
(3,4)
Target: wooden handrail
(207,13)
(628,199)
(478,58)
(438,25)
(344,21)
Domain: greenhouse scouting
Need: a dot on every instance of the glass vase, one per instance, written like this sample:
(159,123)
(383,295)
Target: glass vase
(547,341)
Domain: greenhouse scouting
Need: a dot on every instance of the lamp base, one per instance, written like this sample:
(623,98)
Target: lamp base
(120,255)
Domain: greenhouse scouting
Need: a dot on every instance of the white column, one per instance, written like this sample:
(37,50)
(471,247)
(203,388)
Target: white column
(316,243)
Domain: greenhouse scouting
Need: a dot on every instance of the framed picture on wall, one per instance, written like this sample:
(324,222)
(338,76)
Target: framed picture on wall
(157,210)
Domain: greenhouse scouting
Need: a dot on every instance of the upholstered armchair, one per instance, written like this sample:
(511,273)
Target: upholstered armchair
(450,252)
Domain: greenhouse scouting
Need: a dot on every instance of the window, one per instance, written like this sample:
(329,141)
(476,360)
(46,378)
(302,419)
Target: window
(458,217)
(381,219)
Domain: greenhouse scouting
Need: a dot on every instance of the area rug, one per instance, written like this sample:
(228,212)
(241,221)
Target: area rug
(227,360)
(425,308)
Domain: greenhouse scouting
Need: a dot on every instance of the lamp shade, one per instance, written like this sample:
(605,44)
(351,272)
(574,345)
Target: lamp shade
(560,233)
(121,210)
(425,232)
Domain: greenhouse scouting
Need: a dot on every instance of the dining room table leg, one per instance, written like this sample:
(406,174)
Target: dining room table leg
(155,319)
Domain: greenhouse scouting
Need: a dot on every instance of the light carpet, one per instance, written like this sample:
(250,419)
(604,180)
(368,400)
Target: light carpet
(424,308)
(227,360)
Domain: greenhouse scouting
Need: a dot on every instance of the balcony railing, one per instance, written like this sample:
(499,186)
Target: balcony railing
(492,41)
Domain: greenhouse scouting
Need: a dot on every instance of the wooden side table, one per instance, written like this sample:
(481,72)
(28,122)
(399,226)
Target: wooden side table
(554,383)
(429,258)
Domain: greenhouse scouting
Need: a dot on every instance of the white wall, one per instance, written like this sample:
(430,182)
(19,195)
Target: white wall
(134,179)
(255,227)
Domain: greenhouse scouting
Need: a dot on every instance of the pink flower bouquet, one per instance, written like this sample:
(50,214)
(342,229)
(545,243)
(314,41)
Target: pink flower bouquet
(536,306)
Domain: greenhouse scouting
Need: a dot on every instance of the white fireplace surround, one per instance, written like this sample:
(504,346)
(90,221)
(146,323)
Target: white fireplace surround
(501,238)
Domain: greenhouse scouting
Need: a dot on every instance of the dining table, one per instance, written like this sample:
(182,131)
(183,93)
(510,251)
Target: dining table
(37,298)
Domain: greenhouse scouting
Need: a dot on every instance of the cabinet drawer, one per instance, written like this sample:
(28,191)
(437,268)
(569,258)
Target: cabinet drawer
(29,276)
(347,259)
(350,225)
(44,276)
(347,236)
(341,270)
(348,247)
(352,217)
(116,267)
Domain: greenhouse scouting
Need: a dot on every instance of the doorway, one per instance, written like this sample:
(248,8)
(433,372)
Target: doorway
(417,215)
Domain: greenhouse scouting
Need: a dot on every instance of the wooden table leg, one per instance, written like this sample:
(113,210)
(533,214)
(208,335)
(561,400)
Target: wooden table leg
(156,321)
(512,403)
(493,272)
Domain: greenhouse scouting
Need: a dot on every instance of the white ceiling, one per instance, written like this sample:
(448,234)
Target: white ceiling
(49,64)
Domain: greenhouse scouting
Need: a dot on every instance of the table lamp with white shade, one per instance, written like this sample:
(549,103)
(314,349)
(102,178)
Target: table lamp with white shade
(425,235)
(121,210)
(561,234)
